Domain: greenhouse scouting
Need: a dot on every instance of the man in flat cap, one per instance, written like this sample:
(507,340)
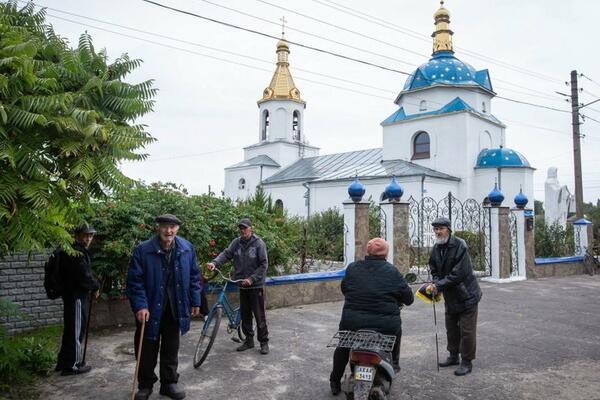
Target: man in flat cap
(78,282)
(249,255)
(163,287)
(452,273)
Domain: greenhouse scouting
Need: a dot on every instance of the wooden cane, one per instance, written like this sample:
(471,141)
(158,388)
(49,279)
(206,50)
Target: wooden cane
(137,363)
(87,330)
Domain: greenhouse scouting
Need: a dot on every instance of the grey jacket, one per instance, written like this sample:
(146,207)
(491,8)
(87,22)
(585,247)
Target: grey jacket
(249,259)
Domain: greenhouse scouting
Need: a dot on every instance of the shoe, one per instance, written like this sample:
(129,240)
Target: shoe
(143,394)
(76,371)
(396,367)
(264,348)
(248,344)
(465,368)
(171,390)
(336,387)
(451,360)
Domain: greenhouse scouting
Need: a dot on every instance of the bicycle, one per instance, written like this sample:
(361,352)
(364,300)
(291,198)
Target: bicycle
(591,263)
(213,321)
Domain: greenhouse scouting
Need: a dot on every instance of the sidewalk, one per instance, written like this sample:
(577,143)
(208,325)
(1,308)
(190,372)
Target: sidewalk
(536,340)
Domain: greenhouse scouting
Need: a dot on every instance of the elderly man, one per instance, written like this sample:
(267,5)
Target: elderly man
(452,273)
(78,282)
(373,291)
(163,286)
(249,255)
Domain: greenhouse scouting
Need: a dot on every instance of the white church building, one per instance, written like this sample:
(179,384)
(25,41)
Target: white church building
(443,138)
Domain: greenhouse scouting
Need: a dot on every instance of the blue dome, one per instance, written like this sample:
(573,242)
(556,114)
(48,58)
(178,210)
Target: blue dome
(495,196)
(500,158)
(356,190)
(521,200)
(444,68)
(393,191)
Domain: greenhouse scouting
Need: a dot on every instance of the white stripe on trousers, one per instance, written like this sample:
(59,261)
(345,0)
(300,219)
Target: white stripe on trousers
(78,354)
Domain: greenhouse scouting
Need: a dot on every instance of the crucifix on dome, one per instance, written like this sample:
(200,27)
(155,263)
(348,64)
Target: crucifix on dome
(283,22)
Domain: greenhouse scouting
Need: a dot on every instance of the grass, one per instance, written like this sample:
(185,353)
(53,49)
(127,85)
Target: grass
(24,359)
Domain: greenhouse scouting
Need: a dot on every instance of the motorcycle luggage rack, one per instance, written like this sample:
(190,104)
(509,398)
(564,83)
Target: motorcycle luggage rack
(364,340)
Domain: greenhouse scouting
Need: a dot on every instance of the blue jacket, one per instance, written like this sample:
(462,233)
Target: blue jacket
(147,276)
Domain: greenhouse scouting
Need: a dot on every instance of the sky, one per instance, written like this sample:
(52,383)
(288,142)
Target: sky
(210,76)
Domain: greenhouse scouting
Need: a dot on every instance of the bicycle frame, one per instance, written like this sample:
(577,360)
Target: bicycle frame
(232,314)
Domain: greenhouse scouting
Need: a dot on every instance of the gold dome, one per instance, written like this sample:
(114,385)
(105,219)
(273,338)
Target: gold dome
(282,86)
(442,36)
(441,12)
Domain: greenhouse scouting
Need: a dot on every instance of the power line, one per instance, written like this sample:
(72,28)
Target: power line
(276,38)
(589,79)
(389,25)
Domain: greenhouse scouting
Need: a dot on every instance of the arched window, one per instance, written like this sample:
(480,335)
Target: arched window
(242,184)
(296,125)
(265,125)
(423,105)
(483,108)
(485,140)
(279,206)
(421,146)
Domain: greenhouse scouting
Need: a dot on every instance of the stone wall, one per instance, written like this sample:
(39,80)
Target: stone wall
(22,283)
(544,269)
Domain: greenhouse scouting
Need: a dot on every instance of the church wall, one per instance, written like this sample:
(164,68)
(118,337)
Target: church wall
(292,196)
(252,176)
(283,153)
(280,118)
(437,97)
(511,181)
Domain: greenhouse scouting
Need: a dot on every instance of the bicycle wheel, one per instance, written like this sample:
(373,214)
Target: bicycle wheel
(207,337)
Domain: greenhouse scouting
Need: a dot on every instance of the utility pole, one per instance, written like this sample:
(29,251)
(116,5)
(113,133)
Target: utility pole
(576,145)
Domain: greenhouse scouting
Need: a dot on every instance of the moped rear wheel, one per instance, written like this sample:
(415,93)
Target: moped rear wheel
(207,337)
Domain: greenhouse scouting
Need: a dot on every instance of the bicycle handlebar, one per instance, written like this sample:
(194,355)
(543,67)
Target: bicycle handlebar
(226,278)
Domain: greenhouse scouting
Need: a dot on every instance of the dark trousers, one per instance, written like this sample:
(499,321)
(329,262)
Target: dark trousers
(461,331)
(168,345)
(252,301)
(75,310)
(341,356)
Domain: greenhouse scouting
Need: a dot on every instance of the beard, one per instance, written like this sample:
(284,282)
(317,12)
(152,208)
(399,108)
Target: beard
(442,239)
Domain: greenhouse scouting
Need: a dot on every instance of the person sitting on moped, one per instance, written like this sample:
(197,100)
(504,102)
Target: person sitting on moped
(373,291)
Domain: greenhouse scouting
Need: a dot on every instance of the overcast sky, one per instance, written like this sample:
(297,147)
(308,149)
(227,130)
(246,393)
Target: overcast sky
(206,109)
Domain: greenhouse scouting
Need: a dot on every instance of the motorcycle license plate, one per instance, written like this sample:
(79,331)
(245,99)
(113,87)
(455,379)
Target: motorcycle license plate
(363,373)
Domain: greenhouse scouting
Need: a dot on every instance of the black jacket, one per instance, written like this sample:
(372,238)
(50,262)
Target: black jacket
(76,272)
(453,275)
(249,259)
(373,289)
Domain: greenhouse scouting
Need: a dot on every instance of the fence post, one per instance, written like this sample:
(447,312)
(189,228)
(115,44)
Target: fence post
(500,243)
(356,222)
(520,250)
(396,215)
(582,235)
(530,244)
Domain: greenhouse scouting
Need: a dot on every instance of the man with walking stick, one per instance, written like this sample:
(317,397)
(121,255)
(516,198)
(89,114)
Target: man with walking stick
(163,287)
(77,281)
(453,276)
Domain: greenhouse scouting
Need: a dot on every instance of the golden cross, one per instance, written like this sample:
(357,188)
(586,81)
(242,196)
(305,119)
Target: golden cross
(283,22)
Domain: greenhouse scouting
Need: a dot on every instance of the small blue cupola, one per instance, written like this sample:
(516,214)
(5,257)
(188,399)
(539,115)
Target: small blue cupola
(356,190)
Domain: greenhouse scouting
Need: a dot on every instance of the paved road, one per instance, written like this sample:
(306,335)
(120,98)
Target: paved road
(536,340)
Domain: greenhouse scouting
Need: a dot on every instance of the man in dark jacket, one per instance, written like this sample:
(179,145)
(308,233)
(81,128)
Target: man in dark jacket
(78,282)
(249,255)
(163,286)
(452,273)
(373,291)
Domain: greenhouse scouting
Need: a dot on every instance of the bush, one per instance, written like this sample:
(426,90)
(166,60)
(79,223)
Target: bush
(553,240)
(209,223)
(325,235)
(25,357)
(476,244)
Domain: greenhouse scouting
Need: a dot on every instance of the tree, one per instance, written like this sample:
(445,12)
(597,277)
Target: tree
(67,119)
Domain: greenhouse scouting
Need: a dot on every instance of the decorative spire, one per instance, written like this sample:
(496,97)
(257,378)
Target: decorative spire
(282,86)
(442,37)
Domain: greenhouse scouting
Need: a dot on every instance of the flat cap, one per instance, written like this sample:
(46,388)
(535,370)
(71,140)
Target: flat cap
(84,228)
(442,221)
(244,223)
(167,219)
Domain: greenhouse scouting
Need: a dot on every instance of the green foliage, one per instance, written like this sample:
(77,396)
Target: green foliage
(25,357)
(476,244)
(66,122)
(125,219)
(325,235)
(538,207)
(553,240)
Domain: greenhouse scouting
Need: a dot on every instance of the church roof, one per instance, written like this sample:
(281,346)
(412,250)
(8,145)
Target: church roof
(445,69)
(455,105)
(343,166)
(282,86)
(501,158)
(256,161)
